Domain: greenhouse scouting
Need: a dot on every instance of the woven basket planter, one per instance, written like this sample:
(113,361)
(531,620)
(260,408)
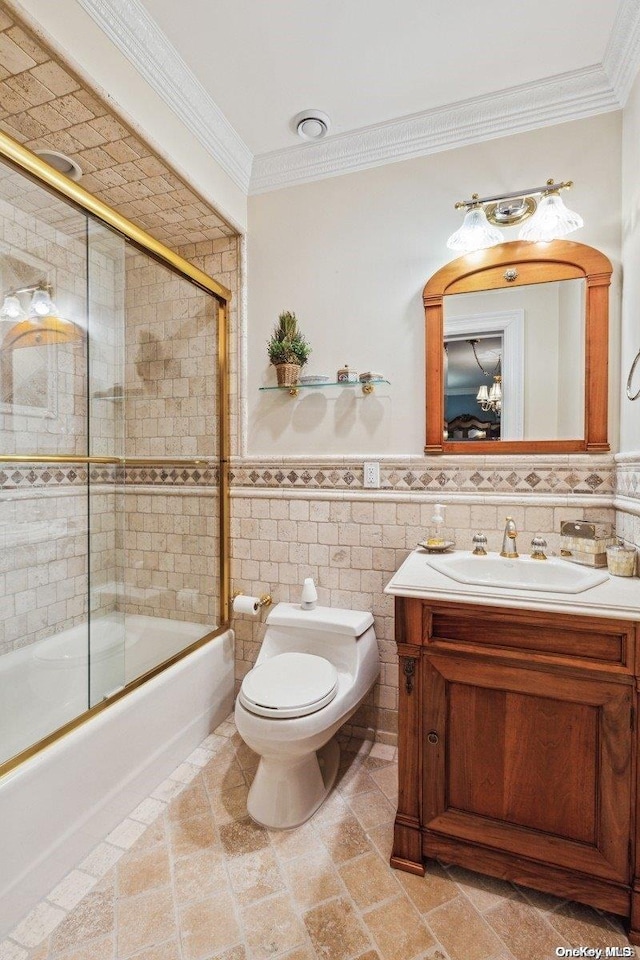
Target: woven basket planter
(287,374)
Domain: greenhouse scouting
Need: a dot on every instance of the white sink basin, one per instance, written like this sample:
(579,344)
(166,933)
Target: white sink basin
(552,575)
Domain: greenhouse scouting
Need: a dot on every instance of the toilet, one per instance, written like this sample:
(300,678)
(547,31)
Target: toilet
(313,671)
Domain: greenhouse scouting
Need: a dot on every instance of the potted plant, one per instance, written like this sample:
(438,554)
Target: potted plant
(288,349)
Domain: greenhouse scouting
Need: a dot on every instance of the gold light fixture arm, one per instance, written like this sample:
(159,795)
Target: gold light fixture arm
(549,187)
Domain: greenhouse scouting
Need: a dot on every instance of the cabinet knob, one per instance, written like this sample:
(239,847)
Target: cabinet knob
(433,737)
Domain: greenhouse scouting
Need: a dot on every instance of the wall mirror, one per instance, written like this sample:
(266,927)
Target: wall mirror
(517,350)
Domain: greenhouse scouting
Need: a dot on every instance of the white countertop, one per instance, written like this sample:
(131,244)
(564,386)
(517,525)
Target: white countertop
(616,597)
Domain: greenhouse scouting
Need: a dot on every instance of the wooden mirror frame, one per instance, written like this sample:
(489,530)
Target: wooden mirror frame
(494,269)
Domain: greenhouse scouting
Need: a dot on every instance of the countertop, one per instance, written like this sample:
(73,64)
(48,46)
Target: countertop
(616,597)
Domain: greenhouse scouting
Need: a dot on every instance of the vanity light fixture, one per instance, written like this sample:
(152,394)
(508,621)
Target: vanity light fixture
(476,233)
(547,218)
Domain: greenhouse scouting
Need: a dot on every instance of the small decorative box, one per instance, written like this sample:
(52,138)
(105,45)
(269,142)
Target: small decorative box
(586,541)
(345,375)
(586,529)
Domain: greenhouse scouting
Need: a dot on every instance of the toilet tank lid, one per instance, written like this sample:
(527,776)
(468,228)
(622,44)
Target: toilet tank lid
(350,622)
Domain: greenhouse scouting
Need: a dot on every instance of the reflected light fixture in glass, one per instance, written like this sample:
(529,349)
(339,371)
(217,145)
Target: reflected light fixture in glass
(41,304)
(12,309)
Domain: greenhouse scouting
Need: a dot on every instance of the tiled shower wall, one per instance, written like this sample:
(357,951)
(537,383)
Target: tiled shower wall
(292,520)
(171,531)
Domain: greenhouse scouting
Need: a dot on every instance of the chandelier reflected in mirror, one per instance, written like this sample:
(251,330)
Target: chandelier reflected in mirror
(489,398)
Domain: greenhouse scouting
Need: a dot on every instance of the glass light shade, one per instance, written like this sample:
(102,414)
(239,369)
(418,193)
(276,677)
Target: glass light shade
(496,391)
(551,220)
(11,309)
(483,393)
(476,233)
(41,304)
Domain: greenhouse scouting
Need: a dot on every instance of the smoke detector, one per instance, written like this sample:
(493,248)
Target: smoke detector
(311,124)
(61,163)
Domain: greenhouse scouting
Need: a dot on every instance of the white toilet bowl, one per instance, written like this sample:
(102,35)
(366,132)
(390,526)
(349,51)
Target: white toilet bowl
(314,669)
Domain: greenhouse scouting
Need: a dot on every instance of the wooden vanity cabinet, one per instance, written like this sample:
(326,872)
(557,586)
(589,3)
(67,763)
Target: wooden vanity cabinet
(517,748)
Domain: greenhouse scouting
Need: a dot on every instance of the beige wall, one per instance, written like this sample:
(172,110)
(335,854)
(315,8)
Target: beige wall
(628,467)
(351,255)
(629,418)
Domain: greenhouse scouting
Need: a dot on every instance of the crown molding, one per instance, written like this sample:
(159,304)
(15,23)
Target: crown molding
(570,96)
(559,99)
(138,37)
(621,60)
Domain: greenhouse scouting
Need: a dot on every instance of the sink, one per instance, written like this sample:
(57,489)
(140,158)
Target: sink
(552,575)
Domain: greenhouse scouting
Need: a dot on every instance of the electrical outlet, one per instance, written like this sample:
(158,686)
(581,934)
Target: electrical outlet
(371,473)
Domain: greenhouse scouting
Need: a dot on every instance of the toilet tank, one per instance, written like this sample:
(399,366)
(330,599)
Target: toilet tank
(329,632)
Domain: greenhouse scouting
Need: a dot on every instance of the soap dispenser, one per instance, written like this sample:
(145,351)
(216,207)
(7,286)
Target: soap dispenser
(439,536)
(309,594)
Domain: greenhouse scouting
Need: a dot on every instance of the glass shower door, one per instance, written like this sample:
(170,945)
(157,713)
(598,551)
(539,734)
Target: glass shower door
(106,324)
(44,664)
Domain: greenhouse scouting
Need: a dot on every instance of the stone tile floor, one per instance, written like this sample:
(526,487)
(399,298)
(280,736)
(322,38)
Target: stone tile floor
(188,876)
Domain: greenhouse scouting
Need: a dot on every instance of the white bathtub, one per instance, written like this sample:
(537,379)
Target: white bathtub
(55,807)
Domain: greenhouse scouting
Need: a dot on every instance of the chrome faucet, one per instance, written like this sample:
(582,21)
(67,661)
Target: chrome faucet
(509,548)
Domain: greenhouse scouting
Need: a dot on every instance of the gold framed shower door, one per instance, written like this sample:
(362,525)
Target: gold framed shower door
(36,169)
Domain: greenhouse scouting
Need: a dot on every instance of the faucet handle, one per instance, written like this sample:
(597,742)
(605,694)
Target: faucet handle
(479,544)
(539,545)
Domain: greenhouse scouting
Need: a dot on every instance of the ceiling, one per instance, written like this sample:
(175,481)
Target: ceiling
(397,79)
(365,62)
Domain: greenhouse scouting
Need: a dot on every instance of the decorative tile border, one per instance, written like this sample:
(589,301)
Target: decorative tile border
(510,477)
(427,476)
(173,475)
(26,476)
(628,479)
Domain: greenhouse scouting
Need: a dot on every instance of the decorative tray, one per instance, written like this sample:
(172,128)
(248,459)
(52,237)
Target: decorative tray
(436,547)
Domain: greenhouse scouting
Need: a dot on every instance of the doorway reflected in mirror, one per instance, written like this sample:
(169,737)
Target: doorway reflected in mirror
(473,393)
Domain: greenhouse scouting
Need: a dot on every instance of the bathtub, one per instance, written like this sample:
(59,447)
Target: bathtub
(56,806)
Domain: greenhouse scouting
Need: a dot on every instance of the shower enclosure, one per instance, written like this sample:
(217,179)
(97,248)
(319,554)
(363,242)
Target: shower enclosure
(113,426)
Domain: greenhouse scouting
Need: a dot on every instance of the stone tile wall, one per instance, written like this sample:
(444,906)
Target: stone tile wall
(352,542)
(43,564)
(171,336)
(172,553)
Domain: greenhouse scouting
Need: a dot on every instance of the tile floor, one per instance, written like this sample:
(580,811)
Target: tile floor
(188,876)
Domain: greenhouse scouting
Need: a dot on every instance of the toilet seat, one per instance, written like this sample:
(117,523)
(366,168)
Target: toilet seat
(289,685)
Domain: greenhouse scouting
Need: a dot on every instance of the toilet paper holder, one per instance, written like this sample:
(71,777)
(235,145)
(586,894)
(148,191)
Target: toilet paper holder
(265,600)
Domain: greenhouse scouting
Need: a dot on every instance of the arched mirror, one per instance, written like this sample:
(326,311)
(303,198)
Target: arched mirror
(517,350)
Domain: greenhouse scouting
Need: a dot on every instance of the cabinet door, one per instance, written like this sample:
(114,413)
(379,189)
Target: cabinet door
(529,763)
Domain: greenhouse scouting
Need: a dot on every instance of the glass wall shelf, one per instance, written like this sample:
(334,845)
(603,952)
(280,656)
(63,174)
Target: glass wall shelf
(367,386)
